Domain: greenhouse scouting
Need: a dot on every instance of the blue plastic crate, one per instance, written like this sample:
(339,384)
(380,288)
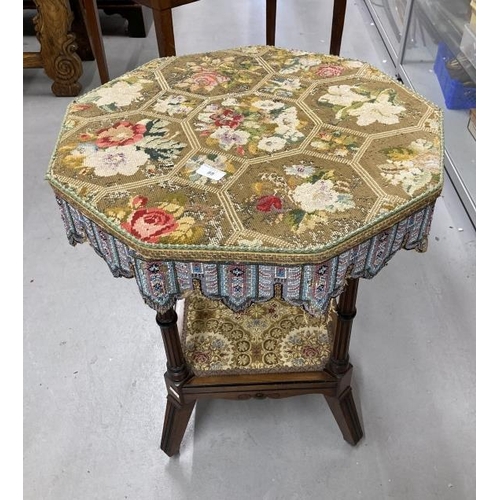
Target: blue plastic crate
(456,94)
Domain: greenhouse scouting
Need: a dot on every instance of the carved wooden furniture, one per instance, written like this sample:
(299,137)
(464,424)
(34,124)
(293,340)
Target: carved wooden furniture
(58,54)
(162,15)
(247,191)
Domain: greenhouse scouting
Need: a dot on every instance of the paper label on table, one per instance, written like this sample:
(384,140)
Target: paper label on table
(210,172)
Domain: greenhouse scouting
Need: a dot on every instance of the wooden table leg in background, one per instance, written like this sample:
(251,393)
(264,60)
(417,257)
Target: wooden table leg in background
(342,404)
(57,47)
(178,411)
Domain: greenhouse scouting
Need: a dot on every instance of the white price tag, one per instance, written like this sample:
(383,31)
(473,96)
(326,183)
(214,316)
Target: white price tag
(210,172)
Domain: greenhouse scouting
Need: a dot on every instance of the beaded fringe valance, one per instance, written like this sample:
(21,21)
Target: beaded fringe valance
(239,284)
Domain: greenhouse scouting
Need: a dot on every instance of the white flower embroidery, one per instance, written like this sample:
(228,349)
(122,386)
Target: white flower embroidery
(271,144)
(414,172)
(352,64)
(301,63)
(124,160)
(228,137)
(382,111)
(410,179)
(291,135)
(287,119)
(268,105)
(230,101)
(119,94)
(288,84)
(172,105)
(342,95)
(303,171)
(322,195)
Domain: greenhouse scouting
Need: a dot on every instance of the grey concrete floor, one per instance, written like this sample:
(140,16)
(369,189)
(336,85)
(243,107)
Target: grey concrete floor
(93,357)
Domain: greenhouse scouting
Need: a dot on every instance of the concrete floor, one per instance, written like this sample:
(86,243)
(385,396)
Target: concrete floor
(93,357)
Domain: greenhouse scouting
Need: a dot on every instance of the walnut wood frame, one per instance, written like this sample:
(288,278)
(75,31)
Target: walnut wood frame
(334,382)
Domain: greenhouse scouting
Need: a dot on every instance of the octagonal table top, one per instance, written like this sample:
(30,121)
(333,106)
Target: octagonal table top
(255,154)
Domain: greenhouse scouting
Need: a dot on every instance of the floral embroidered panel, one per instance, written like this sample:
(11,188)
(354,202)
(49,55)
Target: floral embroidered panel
(255,155)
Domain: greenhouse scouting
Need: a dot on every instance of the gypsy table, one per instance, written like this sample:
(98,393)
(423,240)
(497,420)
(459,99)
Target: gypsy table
(259,184)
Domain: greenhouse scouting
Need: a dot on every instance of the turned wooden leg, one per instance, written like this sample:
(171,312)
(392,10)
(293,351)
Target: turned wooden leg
(178,411)
(342,402)
(79,29)
(94,29)
(339,7)
(164,29)
(270,22)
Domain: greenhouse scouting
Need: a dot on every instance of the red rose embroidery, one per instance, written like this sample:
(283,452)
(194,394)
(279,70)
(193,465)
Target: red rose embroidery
(200,357)
(120,134)
(328,70)
(148,224)
(268,203)
(227,118)
(309,352)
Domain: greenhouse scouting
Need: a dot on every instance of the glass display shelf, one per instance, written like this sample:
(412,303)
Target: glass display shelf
(390,16)
(436,57)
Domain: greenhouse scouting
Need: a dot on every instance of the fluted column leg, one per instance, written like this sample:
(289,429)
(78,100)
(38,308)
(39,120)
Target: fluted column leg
(177,412)
(342,403)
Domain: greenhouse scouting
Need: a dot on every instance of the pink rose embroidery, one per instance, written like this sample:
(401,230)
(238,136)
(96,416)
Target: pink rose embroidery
(149,224)
(208,79)
(268,203)
(329,70)
(120,134)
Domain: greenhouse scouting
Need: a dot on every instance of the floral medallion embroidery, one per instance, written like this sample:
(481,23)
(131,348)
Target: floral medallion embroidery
(250,125)
(302,345)
(301,62)
(269,336)
(322,195)
(116,95)
(336,143)
(412,167)
(123,148)
(214,76)
(165,222)
(368,106)
(283,86)
(312,66)
(174,105)
(211,351)
(301,196)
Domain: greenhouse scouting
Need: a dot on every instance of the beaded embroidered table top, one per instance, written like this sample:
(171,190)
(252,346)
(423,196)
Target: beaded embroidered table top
(257,155)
